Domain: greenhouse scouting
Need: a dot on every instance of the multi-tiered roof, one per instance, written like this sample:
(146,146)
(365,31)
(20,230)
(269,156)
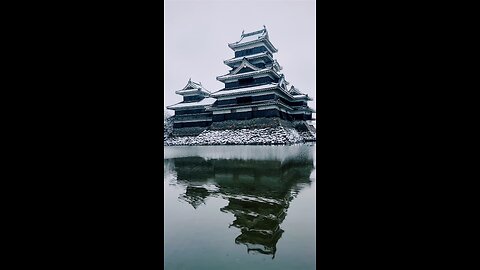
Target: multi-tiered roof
(253,38)
(255,72)
(194,95)
(255,87)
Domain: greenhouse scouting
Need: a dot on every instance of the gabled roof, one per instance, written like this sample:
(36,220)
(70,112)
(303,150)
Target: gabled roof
(201,103)
(295,91)
(232,61)
(252,37)
(282,82)
(244,64)
(248,74)
(193,87)
(277,65)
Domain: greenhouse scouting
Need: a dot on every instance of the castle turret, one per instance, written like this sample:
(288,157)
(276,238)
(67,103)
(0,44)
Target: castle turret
(191,112)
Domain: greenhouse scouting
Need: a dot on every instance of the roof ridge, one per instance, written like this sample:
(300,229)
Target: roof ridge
(243,64)
(253,33)
(195,85)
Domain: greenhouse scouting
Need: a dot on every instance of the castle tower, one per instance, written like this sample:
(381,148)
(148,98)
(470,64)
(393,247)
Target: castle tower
(255,86)
(191,112)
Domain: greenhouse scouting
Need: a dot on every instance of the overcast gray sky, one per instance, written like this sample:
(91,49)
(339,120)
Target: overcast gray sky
(197,33)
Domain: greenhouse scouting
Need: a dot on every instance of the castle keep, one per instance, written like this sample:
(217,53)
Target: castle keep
(254,87)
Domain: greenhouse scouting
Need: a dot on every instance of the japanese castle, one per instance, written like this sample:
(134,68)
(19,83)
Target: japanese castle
(254,87)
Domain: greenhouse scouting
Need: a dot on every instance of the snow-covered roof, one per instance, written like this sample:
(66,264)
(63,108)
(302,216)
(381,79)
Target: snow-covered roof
(244,64)
(300,110)
(250,57)
(203,102)
(295,91)
(252,37)
(247,74)
(277,65)
(192,87)
(297,94)
(246,89)
(253,104)
(237,106)
(283,83)
(302,96)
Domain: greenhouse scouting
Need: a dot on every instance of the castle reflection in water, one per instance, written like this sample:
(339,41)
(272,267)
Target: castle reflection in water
(258,192)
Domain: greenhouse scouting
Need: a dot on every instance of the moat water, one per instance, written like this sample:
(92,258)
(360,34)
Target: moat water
(239,207)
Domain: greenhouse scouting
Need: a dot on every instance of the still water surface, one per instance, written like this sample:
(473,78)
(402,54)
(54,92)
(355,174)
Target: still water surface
(239,207)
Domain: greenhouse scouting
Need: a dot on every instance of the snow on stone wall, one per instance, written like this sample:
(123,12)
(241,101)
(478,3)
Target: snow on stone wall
(258,131)
(278,135)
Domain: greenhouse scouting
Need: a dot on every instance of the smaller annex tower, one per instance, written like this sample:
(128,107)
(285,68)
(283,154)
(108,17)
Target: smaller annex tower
(191,112)
(255,86)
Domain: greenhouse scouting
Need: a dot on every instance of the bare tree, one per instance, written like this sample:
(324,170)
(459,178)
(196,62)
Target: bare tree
(166,115)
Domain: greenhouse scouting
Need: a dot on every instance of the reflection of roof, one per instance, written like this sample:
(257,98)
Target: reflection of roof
(195,196)
(203,102)
(259,223)
(258,190)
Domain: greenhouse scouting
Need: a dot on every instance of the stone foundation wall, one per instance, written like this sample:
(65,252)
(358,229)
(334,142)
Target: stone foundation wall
(261,131)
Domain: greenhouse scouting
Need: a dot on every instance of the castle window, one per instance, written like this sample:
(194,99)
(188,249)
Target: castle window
(244,100)
(245,81)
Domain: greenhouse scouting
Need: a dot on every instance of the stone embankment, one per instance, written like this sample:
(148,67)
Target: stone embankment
(266,131)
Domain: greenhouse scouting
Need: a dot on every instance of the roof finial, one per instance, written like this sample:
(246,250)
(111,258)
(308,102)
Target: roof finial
(190,80)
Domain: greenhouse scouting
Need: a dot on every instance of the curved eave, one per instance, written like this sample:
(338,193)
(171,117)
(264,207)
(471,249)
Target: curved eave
(227,93)
(307,109)
(301,109)
(302,97)
(225,77)
(192,91)
(234,92)
(187,107)
(170,107)
(266,103)
(228,107)
(249,57)
(271,45)
(278,102)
